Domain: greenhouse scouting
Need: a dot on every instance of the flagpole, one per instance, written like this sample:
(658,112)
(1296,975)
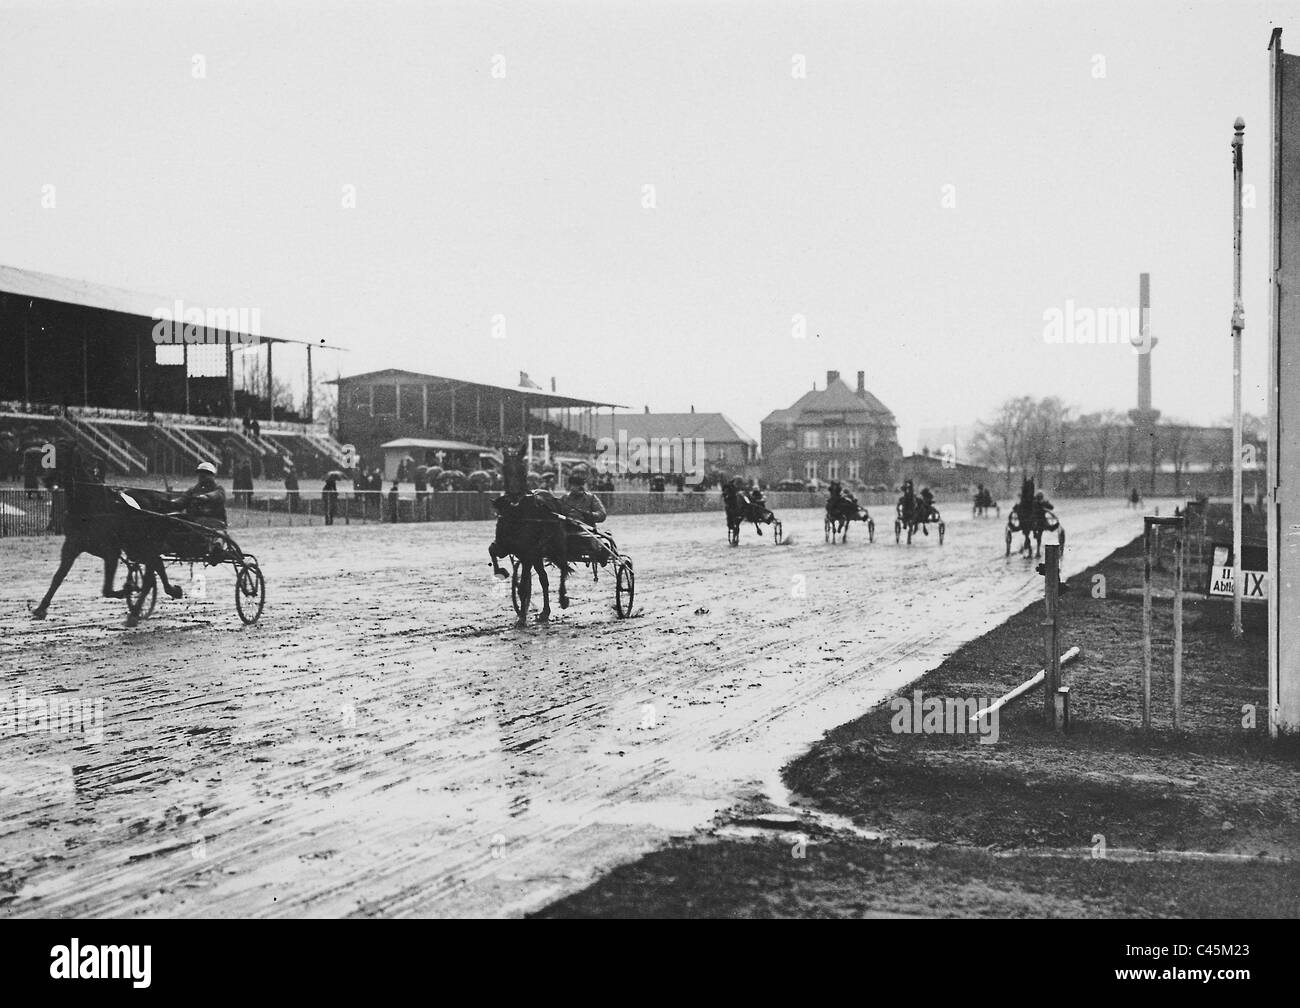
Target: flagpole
(1238,324)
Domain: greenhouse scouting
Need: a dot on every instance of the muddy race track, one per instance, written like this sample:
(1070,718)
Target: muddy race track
(386,742)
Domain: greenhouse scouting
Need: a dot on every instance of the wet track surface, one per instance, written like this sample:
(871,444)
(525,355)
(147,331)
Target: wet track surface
(386,742)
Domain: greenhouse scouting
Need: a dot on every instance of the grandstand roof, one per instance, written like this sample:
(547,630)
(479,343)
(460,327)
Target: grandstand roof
(538,398)
(84,294)
(714,428)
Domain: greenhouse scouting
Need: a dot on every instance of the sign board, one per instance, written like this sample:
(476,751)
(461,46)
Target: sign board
(1255,586)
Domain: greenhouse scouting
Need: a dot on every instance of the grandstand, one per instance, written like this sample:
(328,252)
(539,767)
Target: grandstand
(90,363)
(379,408)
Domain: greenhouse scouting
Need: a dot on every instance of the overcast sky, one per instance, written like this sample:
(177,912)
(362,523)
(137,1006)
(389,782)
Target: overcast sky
(1084,143)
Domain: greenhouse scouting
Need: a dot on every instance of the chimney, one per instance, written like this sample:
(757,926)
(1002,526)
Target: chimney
(553,382)
(523,379)
(862,383)
(831,376)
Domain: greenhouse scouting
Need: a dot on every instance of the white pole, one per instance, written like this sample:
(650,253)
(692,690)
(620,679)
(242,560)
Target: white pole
(1238,324)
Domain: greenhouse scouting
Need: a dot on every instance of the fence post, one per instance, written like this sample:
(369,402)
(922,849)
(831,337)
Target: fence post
(1051,604)
(1146,624)
(1178,629)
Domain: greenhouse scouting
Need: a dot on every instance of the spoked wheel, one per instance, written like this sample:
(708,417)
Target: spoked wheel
(514,587)
(942,528)
(871,531)
(250,591)
(141,591)
(624,590)
(898,532)
(1009,537)
(776,533)
(910,530)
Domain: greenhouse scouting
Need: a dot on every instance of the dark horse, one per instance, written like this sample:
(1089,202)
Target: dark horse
(841,508)
(746,506)
(532,532)
(98,521)
(1032,516)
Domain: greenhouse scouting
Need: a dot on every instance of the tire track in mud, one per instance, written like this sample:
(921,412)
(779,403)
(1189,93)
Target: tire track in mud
(386,742)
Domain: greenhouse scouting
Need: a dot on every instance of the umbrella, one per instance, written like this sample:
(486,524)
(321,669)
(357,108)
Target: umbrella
(481,479)
(334,474)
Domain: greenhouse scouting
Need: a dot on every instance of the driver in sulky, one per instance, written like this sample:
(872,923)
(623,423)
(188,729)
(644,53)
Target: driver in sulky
(205,504)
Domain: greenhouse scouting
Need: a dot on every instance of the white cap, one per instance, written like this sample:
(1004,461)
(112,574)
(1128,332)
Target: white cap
(206,467)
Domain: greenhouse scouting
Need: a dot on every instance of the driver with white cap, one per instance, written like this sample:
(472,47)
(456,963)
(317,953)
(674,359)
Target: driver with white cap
(205,502)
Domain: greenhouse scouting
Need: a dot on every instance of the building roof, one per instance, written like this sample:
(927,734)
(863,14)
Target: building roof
(537,398)
(84,294)
(713,428)
(836,397)
(436,445)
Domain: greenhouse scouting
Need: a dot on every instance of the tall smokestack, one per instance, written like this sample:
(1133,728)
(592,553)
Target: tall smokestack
(831,376)
(552,383)
(862,383)
(1144,327)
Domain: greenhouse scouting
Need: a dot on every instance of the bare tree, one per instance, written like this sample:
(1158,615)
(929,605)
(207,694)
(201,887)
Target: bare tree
(1098,438)
(998,441)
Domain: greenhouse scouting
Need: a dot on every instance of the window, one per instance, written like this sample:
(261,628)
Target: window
(853,471)
(832,440)
(853,437)
(810,470)
(833,469)
(812,439)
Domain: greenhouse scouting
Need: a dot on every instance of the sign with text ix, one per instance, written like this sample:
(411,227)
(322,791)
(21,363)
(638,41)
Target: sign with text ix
(1254,585)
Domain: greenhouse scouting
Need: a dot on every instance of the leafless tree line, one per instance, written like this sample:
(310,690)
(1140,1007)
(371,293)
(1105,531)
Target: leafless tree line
(1087,452)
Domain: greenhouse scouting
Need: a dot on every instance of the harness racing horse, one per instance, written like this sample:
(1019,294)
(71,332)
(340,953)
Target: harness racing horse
(1032,515)
(842,508)
(747,507)
(983,503)
(99,522)
(530,531)
(915,513)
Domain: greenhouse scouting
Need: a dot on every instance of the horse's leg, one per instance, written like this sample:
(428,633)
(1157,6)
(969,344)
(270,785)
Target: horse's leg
(496,568)
(156,566)
(146,586)
(525,590)
(110,573)
(67,557)
(545,615)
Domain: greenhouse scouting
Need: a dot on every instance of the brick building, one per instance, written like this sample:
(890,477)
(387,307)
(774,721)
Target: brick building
(833,433)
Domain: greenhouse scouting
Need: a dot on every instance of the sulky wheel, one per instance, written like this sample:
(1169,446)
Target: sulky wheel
(141,591)
(942,529)
(898,531)
(250,591)
(624,590)
(776,532)
(1008,540)
(871,530)
(514,587)
(829,527)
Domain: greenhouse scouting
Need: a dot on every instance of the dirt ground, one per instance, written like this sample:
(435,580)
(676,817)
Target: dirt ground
(1106,821)
(385,741)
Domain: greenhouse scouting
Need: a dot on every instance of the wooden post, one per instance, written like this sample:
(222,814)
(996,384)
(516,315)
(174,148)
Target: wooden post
(1051,604)
(1178,629)
(1146,625)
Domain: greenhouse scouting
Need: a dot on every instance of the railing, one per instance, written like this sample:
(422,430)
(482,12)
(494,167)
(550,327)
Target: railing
(92,441)
(34,513)
(177,438)
(119,445)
